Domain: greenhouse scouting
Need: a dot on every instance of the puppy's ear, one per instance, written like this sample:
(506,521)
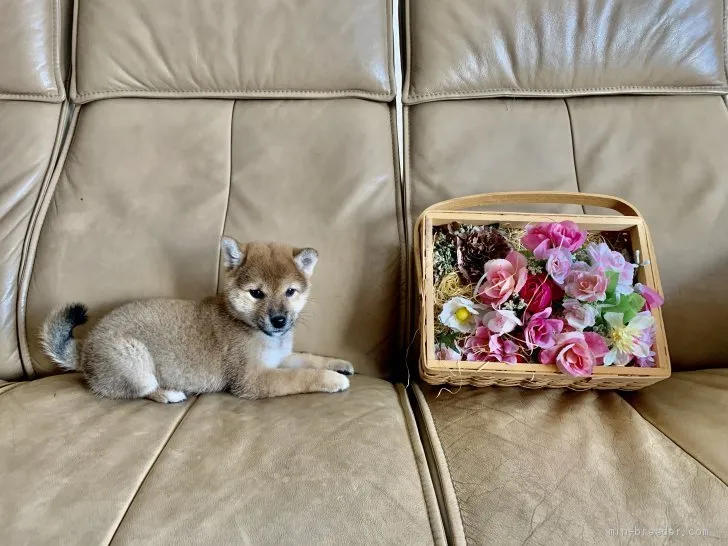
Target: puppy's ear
(305,259)
(232,254)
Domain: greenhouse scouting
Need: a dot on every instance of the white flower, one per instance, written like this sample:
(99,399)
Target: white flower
(632,340)
(501,321)
(460,314)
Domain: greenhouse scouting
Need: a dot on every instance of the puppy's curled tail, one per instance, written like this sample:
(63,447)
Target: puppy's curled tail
(56,335)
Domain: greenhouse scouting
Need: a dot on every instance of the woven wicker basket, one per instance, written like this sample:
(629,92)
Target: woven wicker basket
(479,374)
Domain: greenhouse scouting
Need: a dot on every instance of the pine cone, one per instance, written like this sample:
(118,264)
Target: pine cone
(477,246)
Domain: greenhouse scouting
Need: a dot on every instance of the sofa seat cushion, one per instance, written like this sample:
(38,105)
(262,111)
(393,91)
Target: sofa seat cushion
(316,469)
(691,408)
(520,466)
(29,138)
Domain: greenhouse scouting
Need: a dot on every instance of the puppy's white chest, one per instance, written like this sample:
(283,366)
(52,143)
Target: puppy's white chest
(273,356)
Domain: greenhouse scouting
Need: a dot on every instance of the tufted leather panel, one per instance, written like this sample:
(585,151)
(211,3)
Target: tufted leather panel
(233,49)
(34,45)
(149,186)
(28,142)
(664,154)
(477,48)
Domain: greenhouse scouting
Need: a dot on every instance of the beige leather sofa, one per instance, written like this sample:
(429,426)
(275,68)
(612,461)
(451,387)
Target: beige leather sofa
(183,120)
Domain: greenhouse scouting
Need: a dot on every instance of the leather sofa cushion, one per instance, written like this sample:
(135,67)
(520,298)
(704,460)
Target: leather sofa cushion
(690,408)
(28,142)
(521,466)
(233,49)
(34,38)
(315,469)
(149,186)
(476,48)
(664,154)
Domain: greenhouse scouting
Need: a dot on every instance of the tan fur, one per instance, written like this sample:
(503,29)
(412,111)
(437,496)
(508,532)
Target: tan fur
(163,348)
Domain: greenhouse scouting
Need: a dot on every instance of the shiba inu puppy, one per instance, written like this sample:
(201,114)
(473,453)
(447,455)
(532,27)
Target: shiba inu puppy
(240,341)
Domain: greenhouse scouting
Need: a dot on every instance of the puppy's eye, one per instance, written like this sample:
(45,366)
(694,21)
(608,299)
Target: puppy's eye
(257,294)
(290,292)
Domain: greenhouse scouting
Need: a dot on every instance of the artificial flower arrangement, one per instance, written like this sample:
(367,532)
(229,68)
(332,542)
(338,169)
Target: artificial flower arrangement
(551,293)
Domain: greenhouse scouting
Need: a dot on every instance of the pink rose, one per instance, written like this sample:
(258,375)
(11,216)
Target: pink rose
(541,237)
(653,300)
(575,353)
(503,278)
(541,331)
(578,315)
(610,260)
(501,321)
(584,284)
(539,291)
(558,264)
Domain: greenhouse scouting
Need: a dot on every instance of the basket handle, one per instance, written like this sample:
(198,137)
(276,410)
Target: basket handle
(537,197)
(519,197)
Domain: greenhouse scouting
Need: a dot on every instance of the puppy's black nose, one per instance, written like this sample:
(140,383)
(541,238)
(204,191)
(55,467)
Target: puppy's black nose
(278,321)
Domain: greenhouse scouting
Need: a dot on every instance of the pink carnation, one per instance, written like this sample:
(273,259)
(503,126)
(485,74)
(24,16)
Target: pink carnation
(575,353)
(503,278)
(540,238)
(541,331)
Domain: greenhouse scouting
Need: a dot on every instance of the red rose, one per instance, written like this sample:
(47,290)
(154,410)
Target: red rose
(539,291)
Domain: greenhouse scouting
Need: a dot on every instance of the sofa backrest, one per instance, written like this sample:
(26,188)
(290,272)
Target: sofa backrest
(554,48)
(264,120)
(33,69)
(624,98)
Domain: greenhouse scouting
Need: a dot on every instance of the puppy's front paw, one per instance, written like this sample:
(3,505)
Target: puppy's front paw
(343,367)
(334,382)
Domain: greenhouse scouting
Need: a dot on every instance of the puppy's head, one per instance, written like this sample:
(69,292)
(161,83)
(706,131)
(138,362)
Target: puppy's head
(267,284)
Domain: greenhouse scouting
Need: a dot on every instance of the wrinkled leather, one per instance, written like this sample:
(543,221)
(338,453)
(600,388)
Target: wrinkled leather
(33,49)
(232,48)
(690,409)
(664,154)
(309,469)
(561,467)
(149,186)
(27,142)
(469,48)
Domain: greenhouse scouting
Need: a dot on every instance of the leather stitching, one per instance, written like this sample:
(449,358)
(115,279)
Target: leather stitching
(151,467)
(577,91)
(573,149)
(281,92)
(230,189)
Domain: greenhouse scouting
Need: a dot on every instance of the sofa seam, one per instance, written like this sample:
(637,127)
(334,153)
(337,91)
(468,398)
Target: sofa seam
(577,91)
(573,148)
(227,201)
(26,260)
(414,434)
(34,235)
(275,92)
(725,39)
(425,411)
(4,389)
(151,467)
